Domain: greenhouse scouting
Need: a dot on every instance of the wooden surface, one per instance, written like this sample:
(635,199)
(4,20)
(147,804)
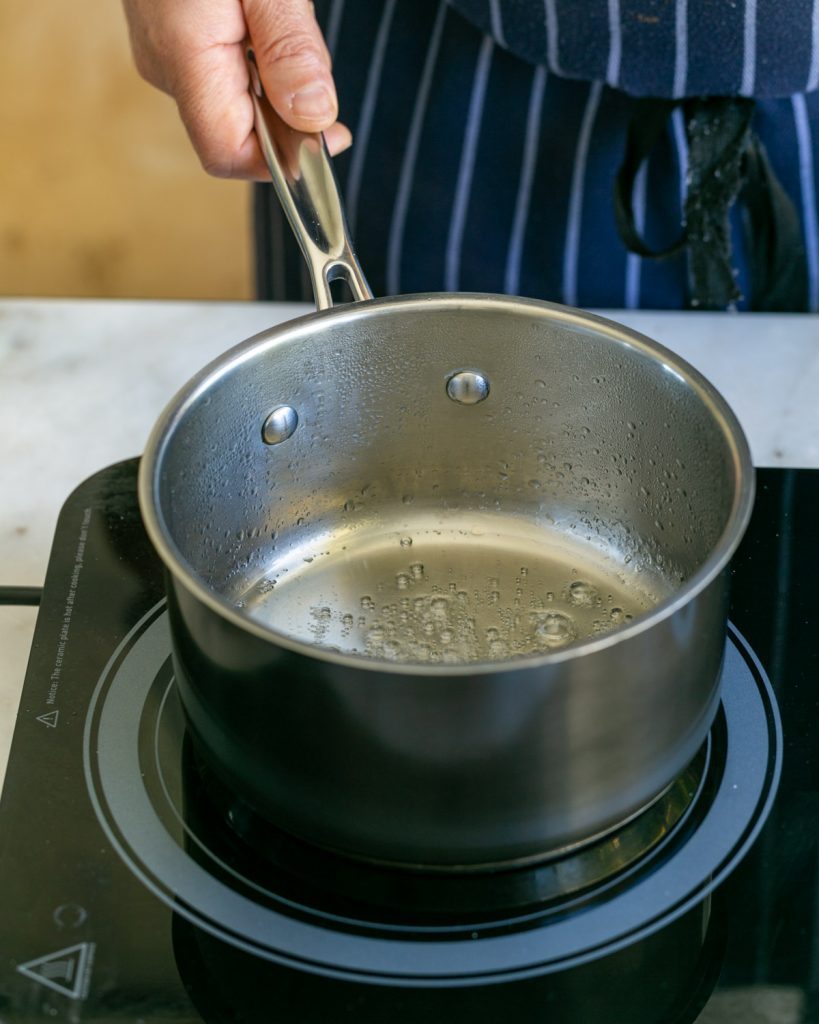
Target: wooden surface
(100,192)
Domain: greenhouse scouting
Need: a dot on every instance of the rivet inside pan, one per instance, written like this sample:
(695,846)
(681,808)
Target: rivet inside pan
(280,424)
(467,387)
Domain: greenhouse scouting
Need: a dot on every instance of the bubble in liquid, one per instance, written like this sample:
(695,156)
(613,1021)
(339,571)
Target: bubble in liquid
(582,593)
(439,606)
(347,621)
(406,542)
(402,581)
(416,570)
(367,603)
(616,615)
(555,630)
(446,636)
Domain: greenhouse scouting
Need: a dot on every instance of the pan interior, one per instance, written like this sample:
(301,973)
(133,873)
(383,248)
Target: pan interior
(452,589)
(590,484)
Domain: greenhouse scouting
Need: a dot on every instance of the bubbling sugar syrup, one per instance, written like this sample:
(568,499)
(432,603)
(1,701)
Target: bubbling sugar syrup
(449,596)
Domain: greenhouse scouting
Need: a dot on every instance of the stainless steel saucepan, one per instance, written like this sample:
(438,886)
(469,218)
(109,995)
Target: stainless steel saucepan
(446,573)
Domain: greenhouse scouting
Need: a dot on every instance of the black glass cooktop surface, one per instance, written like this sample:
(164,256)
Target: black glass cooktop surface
(134,887)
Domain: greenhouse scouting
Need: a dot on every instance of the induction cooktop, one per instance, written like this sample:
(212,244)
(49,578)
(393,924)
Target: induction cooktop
(135,887)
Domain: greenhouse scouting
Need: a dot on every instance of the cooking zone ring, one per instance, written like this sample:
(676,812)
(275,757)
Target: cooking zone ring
(135,685)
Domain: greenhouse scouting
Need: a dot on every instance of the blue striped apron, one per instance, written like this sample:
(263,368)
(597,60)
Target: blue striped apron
(488,134)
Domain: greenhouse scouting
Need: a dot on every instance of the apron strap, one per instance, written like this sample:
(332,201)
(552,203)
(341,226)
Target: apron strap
(726,161)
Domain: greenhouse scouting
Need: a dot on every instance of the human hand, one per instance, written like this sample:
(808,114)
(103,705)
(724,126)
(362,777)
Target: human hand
(194,51)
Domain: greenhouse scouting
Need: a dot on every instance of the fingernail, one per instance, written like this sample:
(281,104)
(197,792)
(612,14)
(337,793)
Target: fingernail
(314,102)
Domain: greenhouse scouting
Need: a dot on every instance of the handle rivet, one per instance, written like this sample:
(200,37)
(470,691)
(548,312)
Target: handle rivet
(280,424)
(467,387)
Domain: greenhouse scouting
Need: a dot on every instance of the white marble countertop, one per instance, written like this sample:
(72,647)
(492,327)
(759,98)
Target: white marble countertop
(81,383)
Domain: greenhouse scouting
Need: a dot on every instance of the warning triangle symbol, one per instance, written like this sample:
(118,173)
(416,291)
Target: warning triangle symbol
(66,971)
(49,719)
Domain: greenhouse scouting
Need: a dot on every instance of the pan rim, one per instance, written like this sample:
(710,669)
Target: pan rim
(715,563)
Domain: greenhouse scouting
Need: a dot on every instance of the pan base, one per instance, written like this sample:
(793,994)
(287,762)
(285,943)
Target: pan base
(428,593)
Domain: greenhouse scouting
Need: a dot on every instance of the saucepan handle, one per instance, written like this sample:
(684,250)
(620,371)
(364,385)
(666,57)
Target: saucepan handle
(307,189)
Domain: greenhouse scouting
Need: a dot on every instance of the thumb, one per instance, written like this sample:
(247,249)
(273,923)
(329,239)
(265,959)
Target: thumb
(293,62)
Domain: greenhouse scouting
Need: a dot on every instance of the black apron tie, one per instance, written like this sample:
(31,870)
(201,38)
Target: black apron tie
(726,161)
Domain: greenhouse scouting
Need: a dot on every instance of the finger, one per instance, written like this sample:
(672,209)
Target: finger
(338,138)
(293,62)
(328,57)
(165,35)
(211,91)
